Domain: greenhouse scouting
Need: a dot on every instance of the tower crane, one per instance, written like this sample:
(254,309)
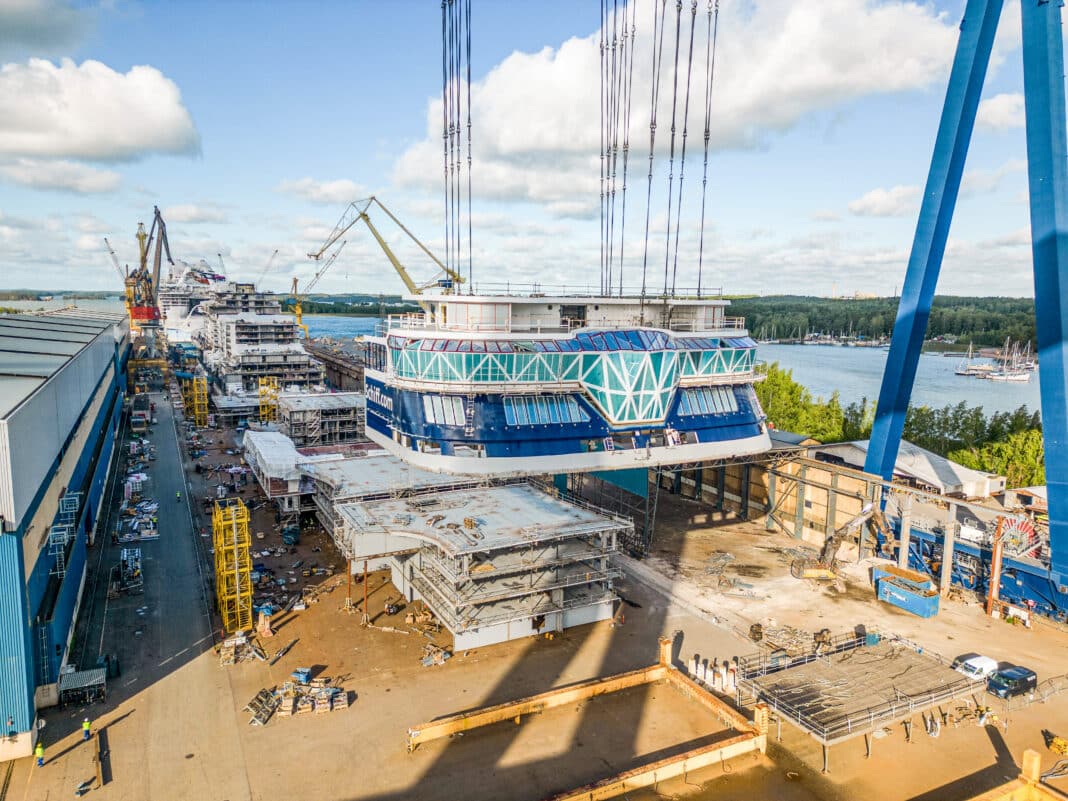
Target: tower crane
(300,297)
(142,285)
(357,212)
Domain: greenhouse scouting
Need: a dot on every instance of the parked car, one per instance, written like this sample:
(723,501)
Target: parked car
(976,668)
(1011,682)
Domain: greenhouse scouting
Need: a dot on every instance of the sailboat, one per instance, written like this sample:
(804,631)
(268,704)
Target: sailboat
(969,367)
(1012,369)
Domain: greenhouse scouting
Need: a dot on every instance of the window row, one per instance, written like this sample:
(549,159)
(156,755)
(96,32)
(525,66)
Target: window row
(444,410)
(525,410)
(708,400)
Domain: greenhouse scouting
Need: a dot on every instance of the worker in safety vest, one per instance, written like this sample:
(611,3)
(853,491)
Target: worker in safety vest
(86,729)
(39,753)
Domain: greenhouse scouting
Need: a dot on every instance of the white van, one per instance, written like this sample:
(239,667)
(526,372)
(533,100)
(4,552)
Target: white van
(976,668)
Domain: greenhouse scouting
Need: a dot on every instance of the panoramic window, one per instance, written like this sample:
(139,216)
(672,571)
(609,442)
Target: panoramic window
(707,400)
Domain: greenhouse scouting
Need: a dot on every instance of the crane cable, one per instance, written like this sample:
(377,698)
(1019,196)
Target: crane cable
(613,144)
(685,131)
(671,150)
(658,52)
(470,239)
(445,118)
(455,69)
(710,71)
(604,136)
(626,134)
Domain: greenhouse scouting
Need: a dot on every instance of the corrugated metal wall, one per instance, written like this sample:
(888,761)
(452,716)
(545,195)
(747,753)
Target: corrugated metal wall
(37,431)
(16,661)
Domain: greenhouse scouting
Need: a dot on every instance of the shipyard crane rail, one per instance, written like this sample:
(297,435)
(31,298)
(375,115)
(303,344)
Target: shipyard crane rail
(357,212)
(300,297)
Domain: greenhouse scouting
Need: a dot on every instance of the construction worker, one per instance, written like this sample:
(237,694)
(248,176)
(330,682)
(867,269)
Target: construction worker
(178,496)
(86,729)
(39,753)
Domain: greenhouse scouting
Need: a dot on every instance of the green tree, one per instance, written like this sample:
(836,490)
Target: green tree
(1020,458)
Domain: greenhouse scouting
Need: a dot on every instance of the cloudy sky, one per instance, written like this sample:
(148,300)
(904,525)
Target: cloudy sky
(253,125)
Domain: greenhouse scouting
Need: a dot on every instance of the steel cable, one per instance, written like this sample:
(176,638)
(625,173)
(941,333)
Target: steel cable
(710,70)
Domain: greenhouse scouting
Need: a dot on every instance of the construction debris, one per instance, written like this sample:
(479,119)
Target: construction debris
(435,655)
(315,695)
(239,648)
(262,707)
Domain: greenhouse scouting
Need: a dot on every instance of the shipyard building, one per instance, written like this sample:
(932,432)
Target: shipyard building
(62,381)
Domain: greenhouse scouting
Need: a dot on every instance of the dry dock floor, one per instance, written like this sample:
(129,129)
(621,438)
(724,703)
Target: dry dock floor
(175,728)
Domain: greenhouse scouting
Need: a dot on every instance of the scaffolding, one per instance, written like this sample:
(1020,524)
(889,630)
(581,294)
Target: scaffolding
(268,398)
(233,564)
(195,399)
(200,401)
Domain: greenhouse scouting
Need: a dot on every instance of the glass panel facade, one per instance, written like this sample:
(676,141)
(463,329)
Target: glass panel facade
(707,400)
(526,410)
(443,410)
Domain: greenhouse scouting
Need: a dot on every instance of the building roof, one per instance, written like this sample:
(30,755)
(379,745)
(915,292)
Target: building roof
(379,474)
(922,466)
(276,456)
(34,347)
(477,521)
(325,400)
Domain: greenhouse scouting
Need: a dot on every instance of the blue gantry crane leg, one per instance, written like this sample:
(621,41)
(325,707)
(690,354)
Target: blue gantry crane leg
(1047,175)
(1043,56)
(929,244)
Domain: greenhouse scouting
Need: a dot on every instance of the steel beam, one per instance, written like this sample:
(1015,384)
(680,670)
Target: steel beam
(649,775)
(932,230)
(514,710)
(1047,173)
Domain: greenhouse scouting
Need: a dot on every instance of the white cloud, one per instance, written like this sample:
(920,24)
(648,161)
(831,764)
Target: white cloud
(89,111)
(1001,112)
(980,181)
(327,192)
(897,201)
(195,213)
(537,126)
(825,215)
(66,176)
(40,25)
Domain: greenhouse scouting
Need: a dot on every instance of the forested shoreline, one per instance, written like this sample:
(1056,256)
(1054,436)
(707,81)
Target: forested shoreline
(1005,443)
(980,320)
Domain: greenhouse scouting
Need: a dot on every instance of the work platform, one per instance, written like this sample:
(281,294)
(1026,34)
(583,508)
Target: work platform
(861,683)
(495,563)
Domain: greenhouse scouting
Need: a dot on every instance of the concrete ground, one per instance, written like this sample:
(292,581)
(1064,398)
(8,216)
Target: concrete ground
(175,728)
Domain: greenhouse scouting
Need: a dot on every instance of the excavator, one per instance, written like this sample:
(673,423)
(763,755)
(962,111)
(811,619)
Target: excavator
(825,566)
(449,281)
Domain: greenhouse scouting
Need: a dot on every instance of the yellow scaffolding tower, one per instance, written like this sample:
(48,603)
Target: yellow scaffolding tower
(268,398)
(187,396)
(200,401)
(233,564)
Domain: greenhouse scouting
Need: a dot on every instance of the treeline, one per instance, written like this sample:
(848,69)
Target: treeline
(981,321)
(352,309)
(1004,443)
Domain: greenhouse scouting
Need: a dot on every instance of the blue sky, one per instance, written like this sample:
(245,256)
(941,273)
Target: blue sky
(253,125)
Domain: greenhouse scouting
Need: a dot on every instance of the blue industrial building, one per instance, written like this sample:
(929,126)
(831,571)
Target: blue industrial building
(62,384)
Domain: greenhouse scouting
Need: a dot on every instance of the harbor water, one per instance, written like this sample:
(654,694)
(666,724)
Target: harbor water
(855,373)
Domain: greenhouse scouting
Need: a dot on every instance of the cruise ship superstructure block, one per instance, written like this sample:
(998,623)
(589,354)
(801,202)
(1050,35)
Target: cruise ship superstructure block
(499,385)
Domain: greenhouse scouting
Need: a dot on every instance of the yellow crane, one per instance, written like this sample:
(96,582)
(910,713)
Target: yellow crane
(300,297)
(357,212)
